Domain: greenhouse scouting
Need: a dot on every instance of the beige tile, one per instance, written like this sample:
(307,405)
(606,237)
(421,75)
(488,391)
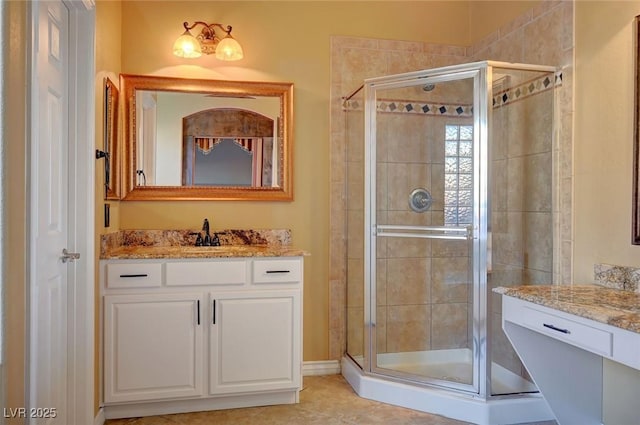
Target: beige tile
(405,46)
(408,248)
(544,38)
(355,331)
(409,218)
(537,182)
(450,279)
(381,329)
(355,237)
(508,48)
(403,178)
(324,400)
(408,139)
(381,282)
(502,352)
(408,328)
(538,248)
(408,281)
(515,183)
(451,248)
(355,282)
(444,50)
(355,137)
(449,326)
(499,185)
(508,247)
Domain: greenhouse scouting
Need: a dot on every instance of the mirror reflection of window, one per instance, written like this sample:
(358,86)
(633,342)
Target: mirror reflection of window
(243,155)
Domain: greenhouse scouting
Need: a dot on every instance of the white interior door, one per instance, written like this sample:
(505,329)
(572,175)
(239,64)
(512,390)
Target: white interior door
(61,185)
(48,372)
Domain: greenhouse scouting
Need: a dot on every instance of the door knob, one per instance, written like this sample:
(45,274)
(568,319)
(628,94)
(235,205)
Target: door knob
(69,256)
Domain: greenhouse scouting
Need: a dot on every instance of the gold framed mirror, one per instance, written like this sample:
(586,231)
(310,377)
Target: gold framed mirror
(110,136)
(196,139)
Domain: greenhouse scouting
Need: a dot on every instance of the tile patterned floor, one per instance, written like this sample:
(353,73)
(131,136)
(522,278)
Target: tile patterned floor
(324,400)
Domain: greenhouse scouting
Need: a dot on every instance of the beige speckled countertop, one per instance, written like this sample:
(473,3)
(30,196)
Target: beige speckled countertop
(158,244)
(614,307)
(148,252)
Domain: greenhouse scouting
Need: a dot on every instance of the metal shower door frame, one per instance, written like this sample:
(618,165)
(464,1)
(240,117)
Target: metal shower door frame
(477,233)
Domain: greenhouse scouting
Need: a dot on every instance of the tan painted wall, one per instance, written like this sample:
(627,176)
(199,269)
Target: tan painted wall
(14,131)
(108,63)
(486,16)
(603,137)
(603,155)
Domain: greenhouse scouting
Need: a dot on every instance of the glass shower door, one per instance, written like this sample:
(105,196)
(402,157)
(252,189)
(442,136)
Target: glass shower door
(423,201)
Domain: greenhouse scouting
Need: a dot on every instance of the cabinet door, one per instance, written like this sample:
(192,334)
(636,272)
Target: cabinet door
(153,346)
(255,341)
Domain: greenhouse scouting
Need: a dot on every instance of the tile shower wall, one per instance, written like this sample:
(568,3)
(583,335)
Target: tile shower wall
(542,36)
(521,174)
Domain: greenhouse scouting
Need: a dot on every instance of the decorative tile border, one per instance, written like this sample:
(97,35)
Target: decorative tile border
(502,98)
(619,277)
(526,89)
(411,107)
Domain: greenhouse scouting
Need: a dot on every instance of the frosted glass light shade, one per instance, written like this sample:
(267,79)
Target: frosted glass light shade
(229,49)
(186,46)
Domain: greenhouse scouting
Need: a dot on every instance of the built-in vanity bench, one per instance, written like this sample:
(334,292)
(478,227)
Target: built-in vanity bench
(562,333)
(189,328)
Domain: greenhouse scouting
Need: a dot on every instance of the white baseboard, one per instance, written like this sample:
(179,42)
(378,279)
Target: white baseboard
(322,367)
(99,419)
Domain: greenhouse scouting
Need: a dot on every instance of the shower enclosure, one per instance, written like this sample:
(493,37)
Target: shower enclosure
(450,189)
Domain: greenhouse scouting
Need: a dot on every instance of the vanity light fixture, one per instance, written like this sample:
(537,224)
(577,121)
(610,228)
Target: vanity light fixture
(207,42)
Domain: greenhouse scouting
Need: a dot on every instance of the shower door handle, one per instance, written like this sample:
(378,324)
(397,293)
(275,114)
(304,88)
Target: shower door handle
(425,232)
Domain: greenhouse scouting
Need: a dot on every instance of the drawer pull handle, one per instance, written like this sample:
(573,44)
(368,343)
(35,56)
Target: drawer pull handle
(555,328)
(278,271)
(134,275)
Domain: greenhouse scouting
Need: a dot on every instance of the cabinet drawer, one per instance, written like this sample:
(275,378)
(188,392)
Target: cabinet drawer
(226,272)
(272,271)
(572,332)
(134,275)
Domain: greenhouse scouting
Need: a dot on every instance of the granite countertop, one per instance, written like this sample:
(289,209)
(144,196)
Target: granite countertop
(150,252)
(614,307)
(158,244)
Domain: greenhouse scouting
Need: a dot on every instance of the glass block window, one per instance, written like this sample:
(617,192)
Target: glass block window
(458,175)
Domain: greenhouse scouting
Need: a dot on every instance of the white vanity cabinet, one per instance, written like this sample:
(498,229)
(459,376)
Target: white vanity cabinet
(200,334)
(251,341)
(153,346)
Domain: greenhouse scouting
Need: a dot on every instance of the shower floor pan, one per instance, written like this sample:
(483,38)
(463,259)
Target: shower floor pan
(452,365)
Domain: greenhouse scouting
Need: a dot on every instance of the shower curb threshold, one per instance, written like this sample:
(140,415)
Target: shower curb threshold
(505,410)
